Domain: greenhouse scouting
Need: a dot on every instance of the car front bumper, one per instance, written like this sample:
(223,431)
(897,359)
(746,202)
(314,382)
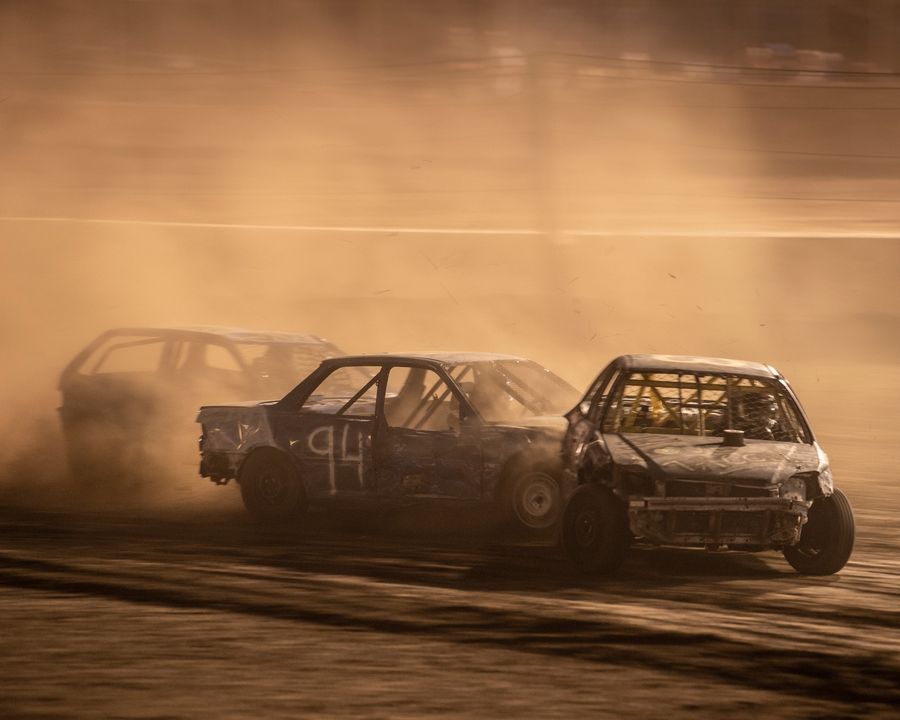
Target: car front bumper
(732,521)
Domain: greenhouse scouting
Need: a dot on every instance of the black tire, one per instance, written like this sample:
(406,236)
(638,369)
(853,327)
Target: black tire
(826,540)
(595,533)
(270,487)
(532,501)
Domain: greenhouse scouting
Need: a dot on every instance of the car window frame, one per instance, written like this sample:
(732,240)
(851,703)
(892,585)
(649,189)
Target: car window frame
(90,367)
(376,380)
(300,395)
(467,411)
(178,344)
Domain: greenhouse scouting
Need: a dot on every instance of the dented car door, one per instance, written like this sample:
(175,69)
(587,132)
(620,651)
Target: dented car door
(330,435)
(423,448)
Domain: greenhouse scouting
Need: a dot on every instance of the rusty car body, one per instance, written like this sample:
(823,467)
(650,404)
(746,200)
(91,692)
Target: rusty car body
(693,451)
(473,428)
(129,397)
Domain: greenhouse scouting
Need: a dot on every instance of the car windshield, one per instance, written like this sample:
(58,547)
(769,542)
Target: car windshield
(704,405)
(511,390)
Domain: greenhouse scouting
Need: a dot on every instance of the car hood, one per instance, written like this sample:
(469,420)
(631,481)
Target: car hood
(683,456)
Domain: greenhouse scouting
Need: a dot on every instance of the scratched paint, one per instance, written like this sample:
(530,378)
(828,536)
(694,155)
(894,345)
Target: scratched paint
(340,446)
(326,448)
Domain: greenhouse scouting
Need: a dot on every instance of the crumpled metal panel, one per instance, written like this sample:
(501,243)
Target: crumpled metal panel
(234,429)
(685,456)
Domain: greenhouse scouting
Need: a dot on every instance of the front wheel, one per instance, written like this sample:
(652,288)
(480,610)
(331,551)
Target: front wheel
(826,540)
(270,487)
(534,501)
(595,530)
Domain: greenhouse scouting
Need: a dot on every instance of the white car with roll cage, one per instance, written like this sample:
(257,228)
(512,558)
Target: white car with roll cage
(702,452)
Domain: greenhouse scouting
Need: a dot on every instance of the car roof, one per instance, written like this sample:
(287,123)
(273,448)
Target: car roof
(447,358)
(227,333)
(695,363)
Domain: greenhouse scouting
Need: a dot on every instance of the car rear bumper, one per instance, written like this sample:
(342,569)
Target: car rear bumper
(219,467)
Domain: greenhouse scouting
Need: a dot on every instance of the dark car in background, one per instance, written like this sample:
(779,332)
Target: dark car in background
(699,452)
(130,396)
(472,428)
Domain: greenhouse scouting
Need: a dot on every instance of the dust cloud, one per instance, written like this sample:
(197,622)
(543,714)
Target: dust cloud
(431,185)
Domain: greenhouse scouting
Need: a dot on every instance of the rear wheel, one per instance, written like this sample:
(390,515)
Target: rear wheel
(271,488)
(826,540)
(595,530)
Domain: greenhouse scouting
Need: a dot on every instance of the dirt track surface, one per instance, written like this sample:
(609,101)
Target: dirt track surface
(201,613)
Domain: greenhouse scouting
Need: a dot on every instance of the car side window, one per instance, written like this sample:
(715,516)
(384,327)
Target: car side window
(198,357)
(282,365)
(419,399)
(348,390)
(219,357)
(129,355)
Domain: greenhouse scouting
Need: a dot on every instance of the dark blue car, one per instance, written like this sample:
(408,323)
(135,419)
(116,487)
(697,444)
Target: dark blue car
(466,427)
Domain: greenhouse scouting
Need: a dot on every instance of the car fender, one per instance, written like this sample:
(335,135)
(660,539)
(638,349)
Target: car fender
(266,449)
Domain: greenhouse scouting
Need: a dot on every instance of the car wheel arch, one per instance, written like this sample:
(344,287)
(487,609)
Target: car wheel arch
(269,451)
(594,530)
(601,478)
(271,487)
(524,461)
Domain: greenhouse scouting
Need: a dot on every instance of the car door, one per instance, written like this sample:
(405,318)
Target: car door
(330,434)
(114,397)
(121,384)
(423,448)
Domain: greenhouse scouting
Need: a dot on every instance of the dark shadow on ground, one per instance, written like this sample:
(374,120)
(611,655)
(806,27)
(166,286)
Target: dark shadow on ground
(461,548)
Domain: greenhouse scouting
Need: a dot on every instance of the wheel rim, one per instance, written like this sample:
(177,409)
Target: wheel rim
(536,503)
(272,488)
(587,528)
